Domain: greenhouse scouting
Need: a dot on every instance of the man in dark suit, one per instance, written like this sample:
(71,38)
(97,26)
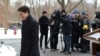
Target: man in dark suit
(44,23)
(29,42)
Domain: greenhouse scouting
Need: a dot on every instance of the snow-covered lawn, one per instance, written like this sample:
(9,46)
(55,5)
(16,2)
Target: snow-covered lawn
(7,50)
(13,41)
(10,34)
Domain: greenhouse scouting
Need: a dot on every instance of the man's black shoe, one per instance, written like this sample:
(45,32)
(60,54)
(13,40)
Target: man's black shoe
(73,50)
(52,49)
(47,48)
(62,51)
(67,52)
(56,49)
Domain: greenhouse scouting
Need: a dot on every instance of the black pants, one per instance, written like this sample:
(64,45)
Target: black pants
(84,42)
(54,31)
(46,38)
(54,41)
(84,45)
(75,39)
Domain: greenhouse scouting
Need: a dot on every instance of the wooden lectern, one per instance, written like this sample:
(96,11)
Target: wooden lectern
(94,37)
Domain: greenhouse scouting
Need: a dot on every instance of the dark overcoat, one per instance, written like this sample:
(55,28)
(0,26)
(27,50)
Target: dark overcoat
(29,42)
(44,23)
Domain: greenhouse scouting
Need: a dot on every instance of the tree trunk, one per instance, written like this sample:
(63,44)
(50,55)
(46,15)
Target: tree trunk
(95,7)
(6,13)
(62,3)
(25,2)
(75,6)
(64,6)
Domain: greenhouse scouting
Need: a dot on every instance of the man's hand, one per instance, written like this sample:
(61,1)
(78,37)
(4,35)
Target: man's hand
(52,23)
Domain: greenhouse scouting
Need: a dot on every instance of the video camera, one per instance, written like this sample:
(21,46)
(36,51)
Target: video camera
(58,13)
(97,18)
(96,22)
(98,15)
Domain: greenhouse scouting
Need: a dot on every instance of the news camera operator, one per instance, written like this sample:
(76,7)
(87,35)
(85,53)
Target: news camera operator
(54,30)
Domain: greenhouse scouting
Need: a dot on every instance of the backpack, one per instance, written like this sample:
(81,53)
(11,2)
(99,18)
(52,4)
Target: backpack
(85,24)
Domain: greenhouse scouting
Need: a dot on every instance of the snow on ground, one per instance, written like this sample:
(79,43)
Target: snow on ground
(7,50)
(10,34)
(15,41)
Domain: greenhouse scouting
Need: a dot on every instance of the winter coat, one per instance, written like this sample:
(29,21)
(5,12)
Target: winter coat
(77,26)
(44,23)
(29,42)
(66,25)
(56,26)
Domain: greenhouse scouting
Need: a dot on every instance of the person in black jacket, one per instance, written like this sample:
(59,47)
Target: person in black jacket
(85,28)
(66,30)
(44,23)
(76,30)
(54,30)
(29,42)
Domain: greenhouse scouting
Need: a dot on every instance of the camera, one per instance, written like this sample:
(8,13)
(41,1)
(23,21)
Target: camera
(96,22)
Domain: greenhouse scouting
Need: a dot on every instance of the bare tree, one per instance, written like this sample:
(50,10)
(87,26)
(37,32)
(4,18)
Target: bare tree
(39,8)
(25,2)
(65,5)
(17,5)
(6,4)
(33,7)
(95,7)
(49,7)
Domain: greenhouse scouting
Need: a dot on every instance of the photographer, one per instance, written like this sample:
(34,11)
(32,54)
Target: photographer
(66,30)
(76,30)
(86,29)
(54,30)
(84,45)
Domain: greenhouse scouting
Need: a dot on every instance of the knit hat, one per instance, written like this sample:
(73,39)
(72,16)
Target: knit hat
(75,11)
(83,13)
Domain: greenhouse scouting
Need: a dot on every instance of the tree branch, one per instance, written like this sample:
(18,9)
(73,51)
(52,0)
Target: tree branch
(75,6)
(0,4)
(68,2)
(59,2)
(95,6)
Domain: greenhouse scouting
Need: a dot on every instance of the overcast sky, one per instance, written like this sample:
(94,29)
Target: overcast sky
(42,1)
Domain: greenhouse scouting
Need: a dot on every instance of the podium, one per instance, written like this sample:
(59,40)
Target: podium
(94,37)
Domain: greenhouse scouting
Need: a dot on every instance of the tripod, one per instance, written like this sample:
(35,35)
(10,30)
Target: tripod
(61,37)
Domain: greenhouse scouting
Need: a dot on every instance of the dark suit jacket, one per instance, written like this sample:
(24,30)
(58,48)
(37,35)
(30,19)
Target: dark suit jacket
(29,42)
(44,23)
